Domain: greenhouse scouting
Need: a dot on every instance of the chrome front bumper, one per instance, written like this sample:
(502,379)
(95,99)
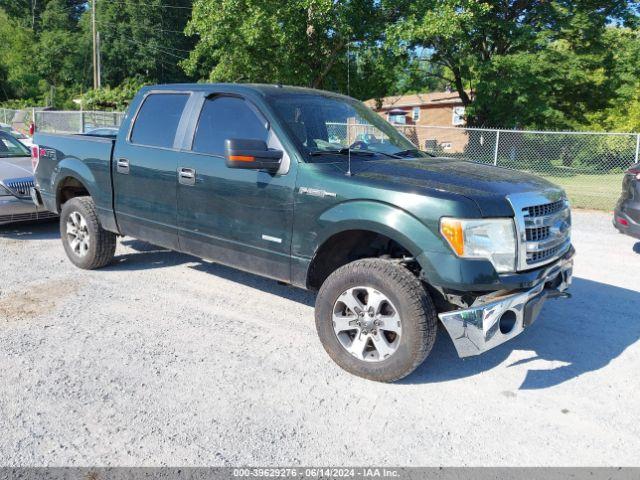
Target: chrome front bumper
(482,327)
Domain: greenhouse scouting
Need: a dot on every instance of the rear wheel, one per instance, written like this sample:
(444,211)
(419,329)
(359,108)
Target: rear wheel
(86,243)
(375,319)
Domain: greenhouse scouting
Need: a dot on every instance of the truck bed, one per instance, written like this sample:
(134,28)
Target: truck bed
(73,160)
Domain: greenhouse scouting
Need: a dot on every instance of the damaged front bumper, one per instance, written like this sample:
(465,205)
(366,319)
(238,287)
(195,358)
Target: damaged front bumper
(498,319)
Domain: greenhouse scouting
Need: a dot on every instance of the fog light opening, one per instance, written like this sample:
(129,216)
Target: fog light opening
(508,321)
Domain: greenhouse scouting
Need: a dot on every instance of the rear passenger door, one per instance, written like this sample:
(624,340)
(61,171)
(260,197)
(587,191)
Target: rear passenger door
(145,170)
(241,218)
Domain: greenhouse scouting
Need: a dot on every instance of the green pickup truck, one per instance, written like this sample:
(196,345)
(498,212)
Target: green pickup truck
(314,189)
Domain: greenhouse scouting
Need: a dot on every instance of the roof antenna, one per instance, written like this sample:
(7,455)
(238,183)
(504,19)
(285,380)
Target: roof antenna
(348,94)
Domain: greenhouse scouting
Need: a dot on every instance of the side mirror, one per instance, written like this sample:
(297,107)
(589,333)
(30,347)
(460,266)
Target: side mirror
(251,155)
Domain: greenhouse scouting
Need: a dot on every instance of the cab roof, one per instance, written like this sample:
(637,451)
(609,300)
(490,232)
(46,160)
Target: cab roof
(265,90)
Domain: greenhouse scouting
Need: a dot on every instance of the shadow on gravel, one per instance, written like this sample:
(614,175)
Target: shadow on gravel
(584,334)
(43,230)
(148,256)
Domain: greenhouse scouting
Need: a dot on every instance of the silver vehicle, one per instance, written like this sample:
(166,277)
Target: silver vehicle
(16,180)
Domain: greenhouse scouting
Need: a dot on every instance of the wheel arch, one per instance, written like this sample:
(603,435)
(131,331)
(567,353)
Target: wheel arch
(358,230)
(76,179)
(69,187)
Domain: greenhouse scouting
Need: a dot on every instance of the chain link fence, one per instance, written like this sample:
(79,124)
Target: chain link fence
(18,120)
(55,121)
(588,165)
(76,122)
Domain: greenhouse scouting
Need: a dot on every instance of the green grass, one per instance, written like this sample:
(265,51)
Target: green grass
(599,192)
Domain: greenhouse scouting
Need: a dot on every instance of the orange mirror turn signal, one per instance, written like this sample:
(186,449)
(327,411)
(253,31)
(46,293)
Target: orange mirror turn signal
(242,158)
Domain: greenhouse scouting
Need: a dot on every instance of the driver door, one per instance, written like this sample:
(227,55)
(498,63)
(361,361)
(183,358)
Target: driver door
(242,218)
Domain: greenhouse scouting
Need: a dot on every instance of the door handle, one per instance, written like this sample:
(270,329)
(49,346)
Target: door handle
(187,176)
(122,166)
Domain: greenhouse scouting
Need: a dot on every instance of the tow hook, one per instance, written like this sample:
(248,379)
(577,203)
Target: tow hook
(557,294)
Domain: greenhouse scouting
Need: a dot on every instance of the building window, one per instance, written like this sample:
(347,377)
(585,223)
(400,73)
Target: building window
(415,114)
(397,118)
(458,116)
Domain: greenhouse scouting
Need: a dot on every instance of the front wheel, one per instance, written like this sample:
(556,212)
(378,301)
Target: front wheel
(375,319)
(86,243)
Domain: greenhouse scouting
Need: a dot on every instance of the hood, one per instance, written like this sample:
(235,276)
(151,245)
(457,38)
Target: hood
(15,167)
(486,185)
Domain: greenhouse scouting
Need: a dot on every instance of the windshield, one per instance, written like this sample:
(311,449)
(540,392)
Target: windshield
(326,125)
(11,147)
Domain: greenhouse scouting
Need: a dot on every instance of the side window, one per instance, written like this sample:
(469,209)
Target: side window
(158,119)
(226,117)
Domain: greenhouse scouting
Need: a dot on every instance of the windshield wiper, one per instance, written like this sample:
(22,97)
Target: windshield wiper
(408,152)
(342,151)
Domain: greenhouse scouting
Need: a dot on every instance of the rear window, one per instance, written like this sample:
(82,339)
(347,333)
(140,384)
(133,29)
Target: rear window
(158,119)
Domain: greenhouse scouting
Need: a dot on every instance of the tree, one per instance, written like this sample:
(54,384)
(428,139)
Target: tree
(143,39)
(623,111)
(19,78)
(297,42)
(517,62)
(41,49)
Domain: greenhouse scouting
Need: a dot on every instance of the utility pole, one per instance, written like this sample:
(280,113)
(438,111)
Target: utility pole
(96,77)
(99,62)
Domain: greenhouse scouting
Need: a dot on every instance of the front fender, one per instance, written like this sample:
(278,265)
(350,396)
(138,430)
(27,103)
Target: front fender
(419,238)
(382,218)
(440,266)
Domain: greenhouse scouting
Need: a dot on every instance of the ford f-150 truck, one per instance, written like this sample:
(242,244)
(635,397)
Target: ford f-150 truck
(314,189)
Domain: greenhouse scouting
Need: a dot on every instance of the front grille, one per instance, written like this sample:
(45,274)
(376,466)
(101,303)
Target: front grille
(543,223)
(543,210)
(541,256)
(537,234)
(547,232)
(20,187)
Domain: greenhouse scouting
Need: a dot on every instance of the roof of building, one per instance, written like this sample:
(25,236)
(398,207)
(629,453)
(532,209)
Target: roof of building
(416,100)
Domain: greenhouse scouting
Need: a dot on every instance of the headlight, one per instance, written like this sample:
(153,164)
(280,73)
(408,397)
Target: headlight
(493,239)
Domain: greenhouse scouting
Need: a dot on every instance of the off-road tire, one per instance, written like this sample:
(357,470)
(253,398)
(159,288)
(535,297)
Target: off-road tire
(415,306)
(102,244)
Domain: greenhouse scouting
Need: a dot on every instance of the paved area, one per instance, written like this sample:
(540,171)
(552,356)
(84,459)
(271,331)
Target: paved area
(163,359)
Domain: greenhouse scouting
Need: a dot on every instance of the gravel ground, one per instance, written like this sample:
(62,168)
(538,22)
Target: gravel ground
(163,359)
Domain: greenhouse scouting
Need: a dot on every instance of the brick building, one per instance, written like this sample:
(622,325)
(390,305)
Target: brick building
(413,113)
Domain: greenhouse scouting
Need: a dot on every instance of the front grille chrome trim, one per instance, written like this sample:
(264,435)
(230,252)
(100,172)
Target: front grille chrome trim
(19,187)
(543,224)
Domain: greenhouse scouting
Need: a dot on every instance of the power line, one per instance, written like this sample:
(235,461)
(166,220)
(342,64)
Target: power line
(103,23)
(157,49)
(161,5)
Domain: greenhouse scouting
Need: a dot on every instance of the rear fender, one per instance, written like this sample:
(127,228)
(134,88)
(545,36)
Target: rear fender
(72,167)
